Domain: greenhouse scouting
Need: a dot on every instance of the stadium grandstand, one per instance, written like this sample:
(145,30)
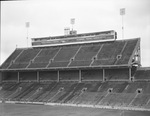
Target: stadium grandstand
(89,69)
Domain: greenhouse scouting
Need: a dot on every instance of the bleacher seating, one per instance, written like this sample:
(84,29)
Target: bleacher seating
(7,90)
(148,104)
(66,53)
(141,100)
(95,87)
(74,92)
(62,90)
(90,93)
(108,53)
(86,98)
(133,86)
(85,63)
(45,92)
(29,92)
(118,99)
(26,88)
(38,65)
(87,52)
(83,55)
(46,54)
(38,91)
(127,52)
(11,58)
(67,92)
(52,92)
(27,55)
(55,90)
(98,98)
(102,62)
(118,87)
(142,74)
(18,66)
(58,64)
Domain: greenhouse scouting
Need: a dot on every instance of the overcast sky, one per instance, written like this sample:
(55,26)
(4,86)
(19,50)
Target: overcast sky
(49,18)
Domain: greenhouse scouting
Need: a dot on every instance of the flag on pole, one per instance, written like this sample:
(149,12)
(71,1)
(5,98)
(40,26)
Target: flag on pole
(72,21)
(27,24)
(122,11)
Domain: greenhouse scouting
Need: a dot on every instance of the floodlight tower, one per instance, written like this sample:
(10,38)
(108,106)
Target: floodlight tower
(27,26)
(72,21)
(122,13)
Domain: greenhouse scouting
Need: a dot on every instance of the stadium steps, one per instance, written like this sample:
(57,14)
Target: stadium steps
(66,94)
(55,96)
(148,104)
(50,93)
(96,54)
(37,55)
(76,98)
(19,90)
(77,94)
(53,57)
(84,98)
(6,90)
(49,96)
(15,58)
(74,56)
(35,92)
(141,100)
(96,87)
(11,90)
(101,99)
(13,94)
(24,92)
(45,92)
(34,58)
(130,104)
(121,52)
(18,55)
(30,92)
(74,92)
(118,99)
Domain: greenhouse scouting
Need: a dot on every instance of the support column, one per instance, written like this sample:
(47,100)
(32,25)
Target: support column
(18,77)
(38,77)
(103,74)
(58,79)
(80,78)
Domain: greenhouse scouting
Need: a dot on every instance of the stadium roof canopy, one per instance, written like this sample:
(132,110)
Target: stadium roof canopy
(117,53)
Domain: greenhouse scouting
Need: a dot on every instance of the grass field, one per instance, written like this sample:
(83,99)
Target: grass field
(42,110)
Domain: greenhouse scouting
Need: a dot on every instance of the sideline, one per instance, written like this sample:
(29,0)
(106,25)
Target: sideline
(79,105)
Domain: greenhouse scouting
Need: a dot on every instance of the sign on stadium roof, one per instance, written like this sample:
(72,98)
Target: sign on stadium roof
(75,39)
